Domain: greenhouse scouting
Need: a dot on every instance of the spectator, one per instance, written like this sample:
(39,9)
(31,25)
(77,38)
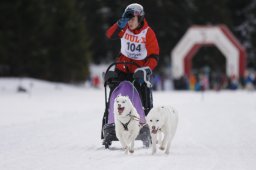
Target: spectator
(249,80)
(234,84)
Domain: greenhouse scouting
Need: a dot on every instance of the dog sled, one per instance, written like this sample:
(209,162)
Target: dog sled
(142,103)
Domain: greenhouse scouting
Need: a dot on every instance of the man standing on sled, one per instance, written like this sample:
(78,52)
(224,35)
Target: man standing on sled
(138,45)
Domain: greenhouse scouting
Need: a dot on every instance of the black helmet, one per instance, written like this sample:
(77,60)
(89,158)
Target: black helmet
(137,11)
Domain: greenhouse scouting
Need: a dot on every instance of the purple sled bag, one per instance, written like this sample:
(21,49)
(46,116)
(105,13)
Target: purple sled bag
(126,88)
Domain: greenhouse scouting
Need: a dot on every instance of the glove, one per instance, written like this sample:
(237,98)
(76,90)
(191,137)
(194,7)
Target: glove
(127,15)
(122,22)
(142,74)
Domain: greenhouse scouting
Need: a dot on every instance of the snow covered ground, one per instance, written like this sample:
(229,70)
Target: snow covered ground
(57,127)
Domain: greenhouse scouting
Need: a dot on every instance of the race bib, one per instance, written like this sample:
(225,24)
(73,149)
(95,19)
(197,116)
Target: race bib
(134,45)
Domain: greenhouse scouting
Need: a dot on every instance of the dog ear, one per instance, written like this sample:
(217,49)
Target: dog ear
(160,108)
(117,97)
(125,98)
(129,100)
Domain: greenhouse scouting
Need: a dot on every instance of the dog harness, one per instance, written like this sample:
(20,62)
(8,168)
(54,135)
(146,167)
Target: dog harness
(125,125)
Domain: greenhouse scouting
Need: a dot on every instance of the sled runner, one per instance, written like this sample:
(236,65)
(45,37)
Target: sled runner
(142,101)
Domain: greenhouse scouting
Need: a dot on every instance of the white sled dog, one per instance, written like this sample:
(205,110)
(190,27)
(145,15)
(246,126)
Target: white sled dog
(162,120)
(126,122)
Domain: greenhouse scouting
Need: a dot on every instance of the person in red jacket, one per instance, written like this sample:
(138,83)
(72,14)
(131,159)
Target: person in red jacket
(138,45)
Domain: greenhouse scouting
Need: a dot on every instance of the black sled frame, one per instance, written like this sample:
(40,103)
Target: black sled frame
(108,130)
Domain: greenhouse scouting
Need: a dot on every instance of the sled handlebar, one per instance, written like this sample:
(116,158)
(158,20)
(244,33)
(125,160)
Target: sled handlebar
(114,64)
(121,62)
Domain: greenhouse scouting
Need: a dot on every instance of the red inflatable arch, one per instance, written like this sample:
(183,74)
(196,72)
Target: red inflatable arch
(196,37)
